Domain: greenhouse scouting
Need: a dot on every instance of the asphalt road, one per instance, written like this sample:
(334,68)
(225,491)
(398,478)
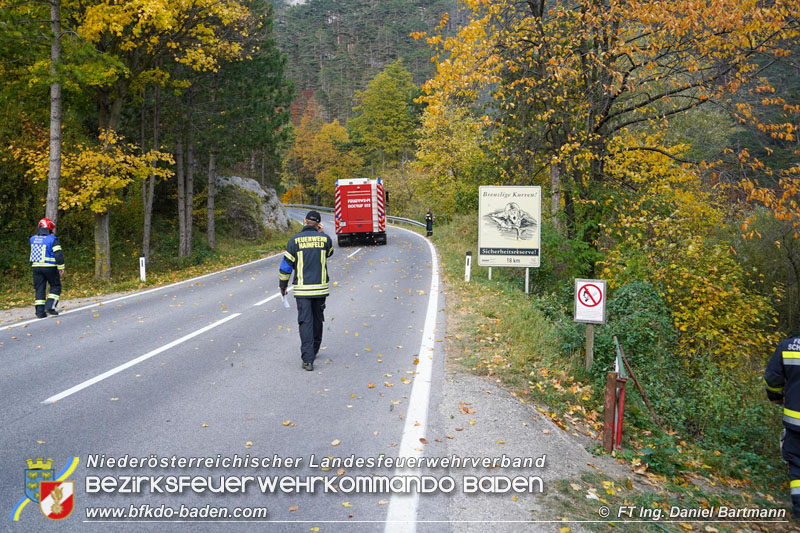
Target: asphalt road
(211,368)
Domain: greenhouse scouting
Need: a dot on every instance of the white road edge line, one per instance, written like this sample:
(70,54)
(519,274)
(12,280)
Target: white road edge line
(354,253)
(402,513)
(142,293)
(265,300)
(132,362)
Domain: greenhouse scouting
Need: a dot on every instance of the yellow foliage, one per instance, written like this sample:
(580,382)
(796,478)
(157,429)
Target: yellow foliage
(662,231)
(91,174)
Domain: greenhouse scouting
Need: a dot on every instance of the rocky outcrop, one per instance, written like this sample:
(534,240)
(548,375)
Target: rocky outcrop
(248,210)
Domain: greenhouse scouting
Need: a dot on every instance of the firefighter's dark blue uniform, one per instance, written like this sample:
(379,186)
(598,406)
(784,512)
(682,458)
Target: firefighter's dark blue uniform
(782,379)
(307,254)
(47,260)
(429,222)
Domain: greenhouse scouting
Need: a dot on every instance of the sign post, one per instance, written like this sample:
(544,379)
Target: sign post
(590,308)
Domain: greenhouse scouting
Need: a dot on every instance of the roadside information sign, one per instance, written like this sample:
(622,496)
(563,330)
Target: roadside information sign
(509,226)
(590,301)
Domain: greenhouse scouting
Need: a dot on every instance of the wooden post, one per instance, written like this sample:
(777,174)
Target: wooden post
(609,412)
(589,346)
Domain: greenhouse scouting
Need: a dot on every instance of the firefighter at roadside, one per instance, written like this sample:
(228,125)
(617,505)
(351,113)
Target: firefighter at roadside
(782,379)
(429,218)
(47,261)
(307,254)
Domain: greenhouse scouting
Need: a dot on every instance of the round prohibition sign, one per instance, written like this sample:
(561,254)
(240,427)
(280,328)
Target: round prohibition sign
(590,298)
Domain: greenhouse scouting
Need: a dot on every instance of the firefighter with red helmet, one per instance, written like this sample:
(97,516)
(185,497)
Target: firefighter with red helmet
(47,261)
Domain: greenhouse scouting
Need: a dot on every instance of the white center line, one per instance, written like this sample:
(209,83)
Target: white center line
(354,253)
(148,355)
(265,300)
(402,512)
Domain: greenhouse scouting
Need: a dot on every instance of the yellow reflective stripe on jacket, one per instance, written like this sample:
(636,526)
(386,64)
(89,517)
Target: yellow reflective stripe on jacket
(284,277)
(305,292)
(300,267)
(791,355)
(773,389)
(57,247)
(791,417)
(43,264)
(288,256)
(323,258)
(795,483)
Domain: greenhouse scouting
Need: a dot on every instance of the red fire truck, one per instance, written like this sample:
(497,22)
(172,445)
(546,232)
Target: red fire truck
(360,211)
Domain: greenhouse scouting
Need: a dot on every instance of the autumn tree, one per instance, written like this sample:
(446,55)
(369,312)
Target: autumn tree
(321,154)
(385,121)
(559,83)
(137,36)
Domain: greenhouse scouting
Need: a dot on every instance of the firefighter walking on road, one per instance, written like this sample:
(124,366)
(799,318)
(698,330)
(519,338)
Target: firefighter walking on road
(47,261)
(307,255)
(429,218)
(782,379)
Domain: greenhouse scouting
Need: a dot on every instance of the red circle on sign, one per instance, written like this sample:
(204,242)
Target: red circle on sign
(589,296)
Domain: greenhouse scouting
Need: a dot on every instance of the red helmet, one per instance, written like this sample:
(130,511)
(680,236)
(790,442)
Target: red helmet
(47,223)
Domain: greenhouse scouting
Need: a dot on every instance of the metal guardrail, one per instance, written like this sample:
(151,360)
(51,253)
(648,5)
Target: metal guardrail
(330,210)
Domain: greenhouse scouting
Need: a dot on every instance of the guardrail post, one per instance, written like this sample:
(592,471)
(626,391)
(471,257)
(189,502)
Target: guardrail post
(468,267)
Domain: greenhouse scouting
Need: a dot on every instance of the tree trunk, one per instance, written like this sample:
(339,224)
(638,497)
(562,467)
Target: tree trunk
(148,206)
(102,246)
(189,187)
(54,177)
(179,175)
(212,191)
(555,193)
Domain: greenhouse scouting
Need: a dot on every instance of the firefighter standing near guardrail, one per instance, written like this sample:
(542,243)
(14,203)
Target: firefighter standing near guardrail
(429,218)
(47,261)
(307,254)
(782,379)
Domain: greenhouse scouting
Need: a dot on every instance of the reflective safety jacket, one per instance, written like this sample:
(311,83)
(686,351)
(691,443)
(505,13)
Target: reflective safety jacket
(46,250)
(782,379)
(307,254)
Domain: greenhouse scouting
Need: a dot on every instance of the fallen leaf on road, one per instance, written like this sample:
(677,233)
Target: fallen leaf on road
(501,442)
(383,502)
(423,440)
(340,472)
(293,508)
(41,442)
(472,422)
(248,444)
(575,486)
(204,425)
(450,437)
(370,385)
(287,422)
(459,429)
(114,399)
(347,504)
(336,442)
(514,498)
